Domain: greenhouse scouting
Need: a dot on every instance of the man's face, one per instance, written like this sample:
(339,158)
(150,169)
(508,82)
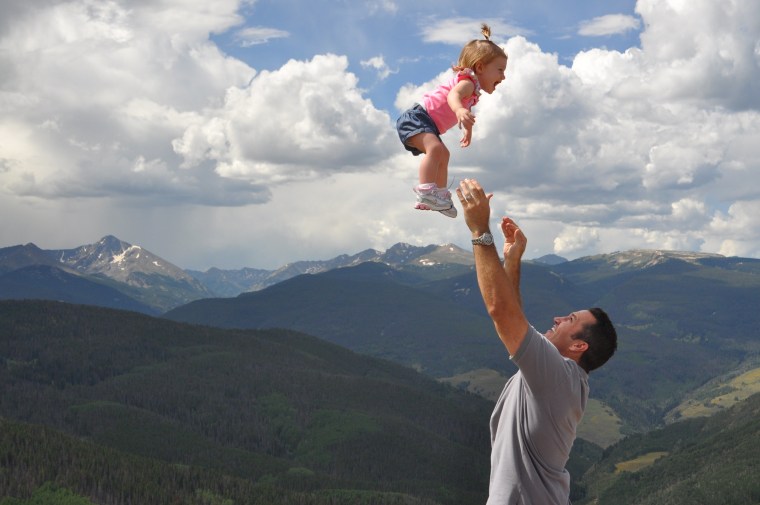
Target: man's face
(567,327)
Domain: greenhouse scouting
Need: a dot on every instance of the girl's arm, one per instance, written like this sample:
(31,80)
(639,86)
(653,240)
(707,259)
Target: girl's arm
(465,117)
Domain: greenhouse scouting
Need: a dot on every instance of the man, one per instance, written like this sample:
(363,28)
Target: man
(534,421)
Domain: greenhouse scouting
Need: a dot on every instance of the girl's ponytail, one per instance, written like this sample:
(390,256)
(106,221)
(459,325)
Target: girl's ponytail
(479,50)
(486,31)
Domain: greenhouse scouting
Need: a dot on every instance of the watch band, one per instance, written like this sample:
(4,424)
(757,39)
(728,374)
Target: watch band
(485,239)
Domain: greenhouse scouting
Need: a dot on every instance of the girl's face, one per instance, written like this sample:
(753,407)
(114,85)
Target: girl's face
(491,73)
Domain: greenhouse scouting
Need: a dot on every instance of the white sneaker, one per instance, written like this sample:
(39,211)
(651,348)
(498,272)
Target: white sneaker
(432,199)
(446,195)
(450,212)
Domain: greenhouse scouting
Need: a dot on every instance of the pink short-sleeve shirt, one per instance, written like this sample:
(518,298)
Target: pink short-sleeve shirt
(436,102)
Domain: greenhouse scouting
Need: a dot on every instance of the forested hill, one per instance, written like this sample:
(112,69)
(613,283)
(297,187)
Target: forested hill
(709,461)
(77,472)
(261,410)
(100,406)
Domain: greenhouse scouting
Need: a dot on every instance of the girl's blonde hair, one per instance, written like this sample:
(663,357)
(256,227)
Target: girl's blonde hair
(479,51)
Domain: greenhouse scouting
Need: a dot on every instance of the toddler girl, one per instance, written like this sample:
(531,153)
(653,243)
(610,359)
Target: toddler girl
(481,66)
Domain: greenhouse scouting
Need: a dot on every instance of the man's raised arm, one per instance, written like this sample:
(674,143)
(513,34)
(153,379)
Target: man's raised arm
(499,284)
(514,247)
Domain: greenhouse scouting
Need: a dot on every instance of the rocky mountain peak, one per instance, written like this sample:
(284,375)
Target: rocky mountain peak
(645,258)
(121,261)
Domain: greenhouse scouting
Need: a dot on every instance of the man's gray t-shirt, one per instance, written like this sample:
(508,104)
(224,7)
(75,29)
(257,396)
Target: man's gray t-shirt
(533,426)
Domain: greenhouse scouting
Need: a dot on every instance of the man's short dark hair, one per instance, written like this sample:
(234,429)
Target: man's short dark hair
(601,338)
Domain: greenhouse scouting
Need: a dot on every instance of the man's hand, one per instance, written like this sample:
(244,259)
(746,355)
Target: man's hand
(475,205)
(514,240)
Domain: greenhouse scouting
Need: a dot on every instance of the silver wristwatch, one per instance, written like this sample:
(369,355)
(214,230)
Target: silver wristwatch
(485,239)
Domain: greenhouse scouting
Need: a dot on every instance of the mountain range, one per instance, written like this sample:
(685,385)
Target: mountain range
(684,318)
(155,285)
(109,273)
(117,274)
(258,410)
(434,260)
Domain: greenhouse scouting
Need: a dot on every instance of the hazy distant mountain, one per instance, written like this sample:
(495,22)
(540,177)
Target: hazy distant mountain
(370,308)
(231,282)
(639,259)
(434,260)
(43,282)
(137,273)
(15,257)
(159,285)
(550,259)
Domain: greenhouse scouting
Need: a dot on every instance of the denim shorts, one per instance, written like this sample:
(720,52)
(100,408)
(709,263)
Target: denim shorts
(412,122)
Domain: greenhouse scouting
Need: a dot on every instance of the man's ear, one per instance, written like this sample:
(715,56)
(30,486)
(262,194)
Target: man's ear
(579,346)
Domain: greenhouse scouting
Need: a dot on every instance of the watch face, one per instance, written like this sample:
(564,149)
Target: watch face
(485,239)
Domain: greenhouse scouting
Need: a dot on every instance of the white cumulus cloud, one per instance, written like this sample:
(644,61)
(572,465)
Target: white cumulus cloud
(111,109)
(304,121)
(458,31)
(608,25)
(254,35)
(651,143)
(379,65)
(575,239)
(91,90)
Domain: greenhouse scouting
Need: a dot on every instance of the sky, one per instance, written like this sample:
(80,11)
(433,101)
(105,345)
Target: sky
(255,133)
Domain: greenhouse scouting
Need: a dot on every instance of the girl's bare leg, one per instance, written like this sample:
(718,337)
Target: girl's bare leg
(434,166)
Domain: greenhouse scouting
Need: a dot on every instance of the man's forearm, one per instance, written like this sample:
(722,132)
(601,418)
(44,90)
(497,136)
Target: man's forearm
(512,269)
(499,284)
(501,296)
(495,285)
